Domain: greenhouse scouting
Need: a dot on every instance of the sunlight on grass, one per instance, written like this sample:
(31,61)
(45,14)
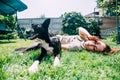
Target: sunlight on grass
(79,65)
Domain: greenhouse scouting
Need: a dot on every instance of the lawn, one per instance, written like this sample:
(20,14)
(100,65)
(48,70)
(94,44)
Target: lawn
(79,65)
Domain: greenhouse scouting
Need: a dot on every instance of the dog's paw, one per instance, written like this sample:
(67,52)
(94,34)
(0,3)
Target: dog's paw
(56,62)
(34,67)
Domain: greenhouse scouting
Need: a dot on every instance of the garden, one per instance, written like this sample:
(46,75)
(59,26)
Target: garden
(75,65)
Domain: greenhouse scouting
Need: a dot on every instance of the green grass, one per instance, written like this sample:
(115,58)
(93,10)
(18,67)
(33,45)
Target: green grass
(81,65)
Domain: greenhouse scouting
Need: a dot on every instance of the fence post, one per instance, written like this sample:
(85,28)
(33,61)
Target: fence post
(117,23)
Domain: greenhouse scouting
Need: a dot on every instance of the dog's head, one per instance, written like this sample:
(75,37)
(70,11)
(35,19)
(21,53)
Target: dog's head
(40,30)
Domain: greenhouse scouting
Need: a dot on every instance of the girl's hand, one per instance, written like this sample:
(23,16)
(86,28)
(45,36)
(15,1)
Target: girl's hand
(95,38)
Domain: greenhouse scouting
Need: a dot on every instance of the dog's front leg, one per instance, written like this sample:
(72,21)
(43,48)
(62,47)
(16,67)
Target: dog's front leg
(35,46)
(57,60)
(34,67)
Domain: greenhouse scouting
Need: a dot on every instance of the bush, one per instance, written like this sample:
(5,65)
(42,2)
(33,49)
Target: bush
(21,32)
(9,21)
(8,36)
(71,21)
(93,27)
(114,37)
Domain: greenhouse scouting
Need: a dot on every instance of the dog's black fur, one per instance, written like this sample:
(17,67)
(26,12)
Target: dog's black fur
(41,32)
(46,41)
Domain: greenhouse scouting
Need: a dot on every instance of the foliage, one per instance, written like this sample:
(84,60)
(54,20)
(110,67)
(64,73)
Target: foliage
(109,6)
(79,65)
(93,27)
(21,33)
(73,20)
(114,37)
(8,36)
(9,21)
(111,11)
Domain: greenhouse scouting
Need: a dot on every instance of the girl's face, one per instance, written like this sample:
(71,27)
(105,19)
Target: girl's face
(95,45)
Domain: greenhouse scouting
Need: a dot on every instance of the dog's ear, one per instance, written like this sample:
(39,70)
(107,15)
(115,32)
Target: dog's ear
(46,23)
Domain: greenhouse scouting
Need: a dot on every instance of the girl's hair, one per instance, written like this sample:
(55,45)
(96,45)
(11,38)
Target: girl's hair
(109,50)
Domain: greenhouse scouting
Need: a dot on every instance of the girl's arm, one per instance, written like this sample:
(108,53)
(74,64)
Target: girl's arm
(85,35)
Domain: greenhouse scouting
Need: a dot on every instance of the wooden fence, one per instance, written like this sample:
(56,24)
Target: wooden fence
(107,29)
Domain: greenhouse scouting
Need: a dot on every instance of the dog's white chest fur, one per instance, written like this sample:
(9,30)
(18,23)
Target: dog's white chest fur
(46,46)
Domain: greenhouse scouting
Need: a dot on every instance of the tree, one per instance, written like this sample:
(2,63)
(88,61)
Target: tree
(73,20)
(9,21)
(109,6)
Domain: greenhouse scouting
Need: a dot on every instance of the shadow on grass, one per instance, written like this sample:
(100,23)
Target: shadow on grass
(6,41)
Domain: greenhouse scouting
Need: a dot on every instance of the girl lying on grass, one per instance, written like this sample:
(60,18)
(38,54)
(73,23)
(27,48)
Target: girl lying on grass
(85,41)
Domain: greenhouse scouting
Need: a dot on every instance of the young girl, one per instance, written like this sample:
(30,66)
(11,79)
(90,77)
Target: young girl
(85,41)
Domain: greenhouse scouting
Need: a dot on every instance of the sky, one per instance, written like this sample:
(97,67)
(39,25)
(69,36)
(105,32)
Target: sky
(55,8)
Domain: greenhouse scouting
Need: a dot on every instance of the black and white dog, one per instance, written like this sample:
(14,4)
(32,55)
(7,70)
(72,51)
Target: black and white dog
(46,43)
